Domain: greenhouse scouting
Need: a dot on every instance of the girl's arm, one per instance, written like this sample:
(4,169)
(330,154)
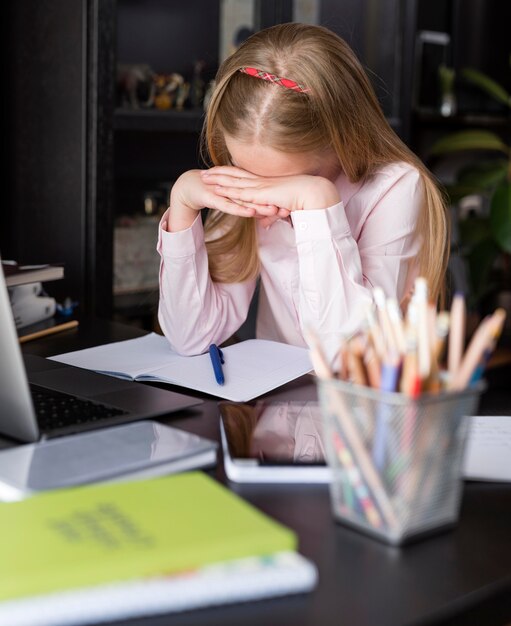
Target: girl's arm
(193,311)
(338,272)
(339,268)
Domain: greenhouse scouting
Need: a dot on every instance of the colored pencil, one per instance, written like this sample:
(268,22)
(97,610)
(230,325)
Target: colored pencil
(456,334)
(49,331)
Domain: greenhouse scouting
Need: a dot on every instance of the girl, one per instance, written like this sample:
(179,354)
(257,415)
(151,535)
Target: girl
(310,190)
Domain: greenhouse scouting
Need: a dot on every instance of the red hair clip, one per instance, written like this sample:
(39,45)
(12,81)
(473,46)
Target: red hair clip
(278,80)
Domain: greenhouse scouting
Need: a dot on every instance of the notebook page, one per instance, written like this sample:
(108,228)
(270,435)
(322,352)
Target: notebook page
(128,358)
(251,368)
(488,453)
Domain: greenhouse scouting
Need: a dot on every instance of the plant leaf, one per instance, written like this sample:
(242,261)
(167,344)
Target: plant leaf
(500,215)
(481,260)
(469,140)
(487,84)
(473,230)
(458,192)
(483,175)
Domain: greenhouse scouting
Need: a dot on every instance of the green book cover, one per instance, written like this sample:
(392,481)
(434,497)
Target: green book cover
(101,533)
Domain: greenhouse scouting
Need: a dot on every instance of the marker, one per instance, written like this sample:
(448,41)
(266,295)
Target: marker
(217,358)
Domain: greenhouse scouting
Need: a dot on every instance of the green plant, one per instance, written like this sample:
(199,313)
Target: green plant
(485,239)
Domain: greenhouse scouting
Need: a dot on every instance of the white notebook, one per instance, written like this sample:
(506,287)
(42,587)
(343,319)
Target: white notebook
(241,580)
(251,367)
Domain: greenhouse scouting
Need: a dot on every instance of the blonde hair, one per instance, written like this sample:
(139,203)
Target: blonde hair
(340,113)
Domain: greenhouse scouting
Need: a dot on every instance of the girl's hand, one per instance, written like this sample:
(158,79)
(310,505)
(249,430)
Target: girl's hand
(190,194)
(288,193)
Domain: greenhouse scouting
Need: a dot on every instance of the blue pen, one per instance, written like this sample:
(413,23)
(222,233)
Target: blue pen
(217,358)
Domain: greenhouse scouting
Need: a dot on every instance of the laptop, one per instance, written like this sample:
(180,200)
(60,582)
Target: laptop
(41,399)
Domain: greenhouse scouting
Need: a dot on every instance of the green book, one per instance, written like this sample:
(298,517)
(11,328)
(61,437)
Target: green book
(97,534)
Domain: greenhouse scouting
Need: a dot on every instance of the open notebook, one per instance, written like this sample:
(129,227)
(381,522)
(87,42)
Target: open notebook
(251,368)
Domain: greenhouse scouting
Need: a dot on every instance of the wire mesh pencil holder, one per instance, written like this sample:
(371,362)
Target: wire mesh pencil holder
(396,461)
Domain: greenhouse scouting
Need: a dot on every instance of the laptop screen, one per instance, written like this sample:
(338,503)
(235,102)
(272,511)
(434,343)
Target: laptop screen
(17,416)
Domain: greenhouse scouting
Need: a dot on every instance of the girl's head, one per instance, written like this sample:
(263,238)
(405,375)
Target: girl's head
(333,116)
(337,113)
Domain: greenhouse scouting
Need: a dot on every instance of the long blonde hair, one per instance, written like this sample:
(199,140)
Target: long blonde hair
(340,112)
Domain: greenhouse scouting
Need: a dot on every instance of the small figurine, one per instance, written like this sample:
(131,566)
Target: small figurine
(182,95)
(166,90)
(135,85)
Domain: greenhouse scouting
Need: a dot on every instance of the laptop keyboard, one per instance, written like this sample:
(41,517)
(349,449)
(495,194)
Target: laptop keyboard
(55,409)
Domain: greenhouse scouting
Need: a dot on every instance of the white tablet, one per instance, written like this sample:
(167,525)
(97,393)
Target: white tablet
(125,452)
(273,442)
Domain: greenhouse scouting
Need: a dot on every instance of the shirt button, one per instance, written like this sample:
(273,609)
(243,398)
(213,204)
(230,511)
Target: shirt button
(303,226)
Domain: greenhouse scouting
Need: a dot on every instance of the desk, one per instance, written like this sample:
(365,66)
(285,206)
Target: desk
(462,576)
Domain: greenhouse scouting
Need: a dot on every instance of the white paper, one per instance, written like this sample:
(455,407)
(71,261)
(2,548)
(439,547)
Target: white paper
(251,367)
(488,453)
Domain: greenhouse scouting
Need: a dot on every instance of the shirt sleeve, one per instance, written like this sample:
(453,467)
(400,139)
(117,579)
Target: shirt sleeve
(337,273)
(194,311)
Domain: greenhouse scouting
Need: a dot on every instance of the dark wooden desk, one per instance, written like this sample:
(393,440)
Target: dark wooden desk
(462,576)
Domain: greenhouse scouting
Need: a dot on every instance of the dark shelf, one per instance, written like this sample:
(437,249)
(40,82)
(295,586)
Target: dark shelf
(186,121)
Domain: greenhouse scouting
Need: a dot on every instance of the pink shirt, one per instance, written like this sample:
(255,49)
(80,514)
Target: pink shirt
(318,268)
